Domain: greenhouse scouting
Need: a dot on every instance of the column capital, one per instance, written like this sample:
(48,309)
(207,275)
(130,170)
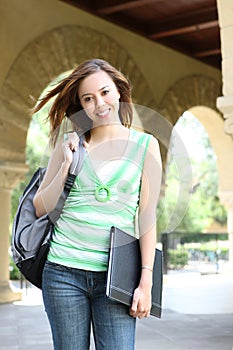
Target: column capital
(11,174)
(225,105)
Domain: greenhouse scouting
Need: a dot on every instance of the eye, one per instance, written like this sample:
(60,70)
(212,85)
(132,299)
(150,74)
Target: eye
(105,92)
(87,99)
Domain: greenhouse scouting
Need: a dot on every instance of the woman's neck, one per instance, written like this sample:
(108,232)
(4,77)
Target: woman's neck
(105,133)
(108,142)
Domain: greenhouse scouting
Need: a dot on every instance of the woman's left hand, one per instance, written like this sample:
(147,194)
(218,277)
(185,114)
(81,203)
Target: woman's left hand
(141,304)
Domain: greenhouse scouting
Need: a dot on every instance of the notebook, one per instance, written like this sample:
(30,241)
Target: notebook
(124,270)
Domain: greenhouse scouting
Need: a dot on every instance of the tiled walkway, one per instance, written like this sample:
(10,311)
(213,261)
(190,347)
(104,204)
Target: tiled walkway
(198,315)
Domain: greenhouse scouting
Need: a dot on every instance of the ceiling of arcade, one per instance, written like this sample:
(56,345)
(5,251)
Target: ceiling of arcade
(190,27)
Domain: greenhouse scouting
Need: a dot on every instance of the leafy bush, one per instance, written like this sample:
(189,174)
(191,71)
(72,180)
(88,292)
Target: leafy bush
(177,258)
(14,271)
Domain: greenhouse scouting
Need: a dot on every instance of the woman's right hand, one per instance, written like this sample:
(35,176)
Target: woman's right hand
(53,182)
(69,145)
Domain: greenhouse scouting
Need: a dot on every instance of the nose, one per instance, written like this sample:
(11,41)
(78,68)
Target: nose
(99,101)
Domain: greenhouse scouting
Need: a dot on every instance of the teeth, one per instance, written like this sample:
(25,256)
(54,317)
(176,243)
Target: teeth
(102,113)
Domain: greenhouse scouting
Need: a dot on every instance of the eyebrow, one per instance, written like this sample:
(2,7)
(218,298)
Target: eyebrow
(87,94)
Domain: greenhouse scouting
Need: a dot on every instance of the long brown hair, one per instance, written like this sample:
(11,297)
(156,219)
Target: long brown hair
(67,103)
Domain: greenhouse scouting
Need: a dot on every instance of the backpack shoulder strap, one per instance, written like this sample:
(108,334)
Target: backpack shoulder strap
(78,158)
(76,166)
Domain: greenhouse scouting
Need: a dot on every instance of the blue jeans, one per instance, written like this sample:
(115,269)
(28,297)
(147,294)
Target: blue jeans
(74,300)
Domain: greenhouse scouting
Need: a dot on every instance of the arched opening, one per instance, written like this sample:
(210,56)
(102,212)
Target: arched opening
(198,95)
(204,164)
(204,212)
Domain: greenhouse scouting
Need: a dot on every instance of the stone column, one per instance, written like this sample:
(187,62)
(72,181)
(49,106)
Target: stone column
(225,102)
(230,231)
(226,199)
(225,105)
(10,174)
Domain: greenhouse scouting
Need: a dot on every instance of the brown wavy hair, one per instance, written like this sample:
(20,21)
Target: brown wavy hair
(67,103)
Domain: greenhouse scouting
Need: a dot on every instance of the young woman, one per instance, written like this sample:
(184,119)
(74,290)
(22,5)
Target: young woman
(119,182)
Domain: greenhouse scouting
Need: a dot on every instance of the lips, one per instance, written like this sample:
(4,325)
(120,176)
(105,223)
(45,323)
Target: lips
(103,114)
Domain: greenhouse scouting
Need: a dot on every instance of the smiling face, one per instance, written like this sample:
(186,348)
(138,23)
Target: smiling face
(99,97)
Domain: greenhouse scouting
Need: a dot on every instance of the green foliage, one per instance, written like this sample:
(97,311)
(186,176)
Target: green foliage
(202,237)
(14,271)
(201,206)
(177,258)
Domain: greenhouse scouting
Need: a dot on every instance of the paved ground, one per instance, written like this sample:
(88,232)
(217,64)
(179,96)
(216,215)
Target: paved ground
(198,314)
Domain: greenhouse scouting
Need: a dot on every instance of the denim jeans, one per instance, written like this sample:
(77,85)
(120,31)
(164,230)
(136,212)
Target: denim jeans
(74,301)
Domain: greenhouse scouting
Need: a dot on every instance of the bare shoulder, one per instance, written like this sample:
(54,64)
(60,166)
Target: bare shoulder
(153,146)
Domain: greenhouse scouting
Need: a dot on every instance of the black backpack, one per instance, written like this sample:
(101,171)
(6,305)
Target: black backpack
(31,235)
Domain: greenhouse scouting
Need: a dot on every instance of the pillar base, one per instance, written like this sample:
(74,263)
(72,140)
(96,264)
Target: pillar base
(8,293)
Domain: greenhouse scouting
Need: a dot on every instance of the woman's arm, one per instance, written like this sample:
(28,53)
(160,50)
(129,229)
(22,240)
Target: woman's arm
(52,185)
(149,195)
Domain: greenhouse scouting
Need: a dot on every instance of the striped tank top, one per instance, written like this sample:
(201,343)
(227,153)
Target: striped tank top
(98,200)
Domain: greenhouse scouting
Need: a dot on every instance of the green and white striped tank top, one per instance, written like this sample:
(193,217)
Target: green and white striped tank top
(97,202)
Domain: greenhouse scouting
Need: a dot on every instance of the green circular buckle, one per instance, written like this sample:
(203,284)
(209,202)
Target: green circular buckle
(100,191)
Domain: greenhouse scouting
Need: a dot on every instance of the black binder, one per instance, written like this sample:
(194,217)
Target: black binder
(124,270)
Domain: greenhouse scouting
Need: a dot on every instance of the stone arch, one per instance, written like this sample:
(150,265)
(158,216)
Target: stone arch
(198,94)
(194,90)
(221,143)
(52,53)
